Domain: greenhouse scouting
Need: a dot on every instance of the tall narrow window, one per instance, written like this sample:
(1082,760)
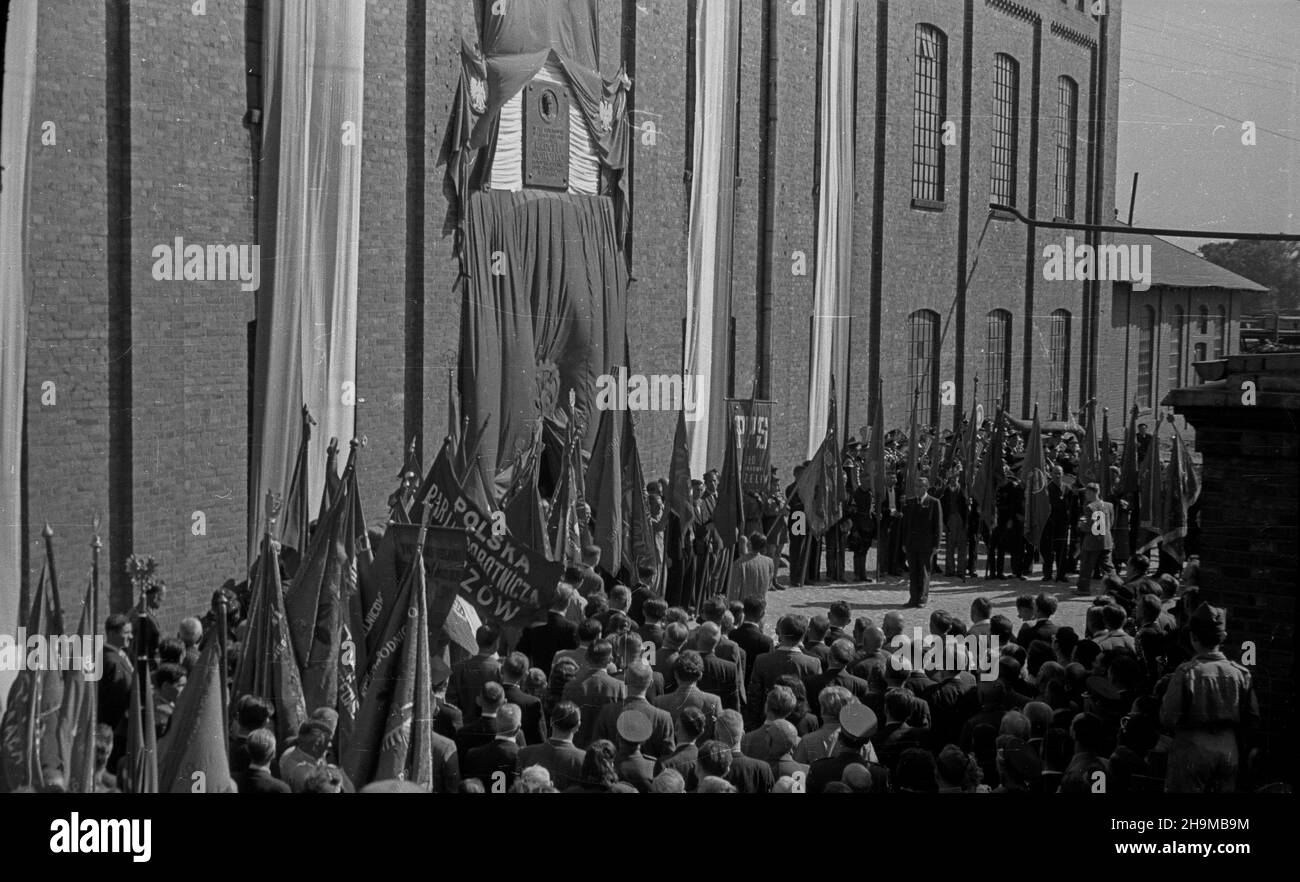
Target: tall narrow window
(1067,134)
(923,364)
(1006,126)
(1198,355)
(1146,356)
(1059,352)
(997,361)
(1221,334)
(1203,321)
(931,88)
(1177,324)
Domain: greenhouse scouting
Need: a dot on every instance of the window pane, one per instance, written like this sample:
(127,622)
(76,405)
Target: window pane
(997,363)
(1059,351)
(927,121)
(1006,107)
(1067,131)
(1146,346)
(1175,372)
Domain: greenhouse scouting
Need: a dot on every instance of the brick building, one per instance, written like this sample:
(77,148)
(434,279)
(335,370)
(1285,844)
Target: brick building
(155,112)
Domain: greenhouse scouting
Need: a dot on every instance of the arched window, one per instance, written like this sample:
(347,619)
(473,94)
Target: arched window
(923,364)
(1006,127)
(1203,321)
(1221,334)
(931,110)
(1146,356)
(1067,136)
(1059,352)
(1177,325)
(997,361)
(1198,354)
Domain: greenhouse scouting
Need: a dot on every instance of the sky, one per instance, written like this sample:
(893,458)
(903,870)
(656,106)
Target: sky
(1239,60)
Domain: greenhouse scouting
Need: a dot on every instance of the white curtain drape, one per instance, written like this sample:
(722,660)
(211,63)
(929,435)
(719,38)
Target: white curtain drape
(708,273)
(308,228)
(508,160)
(20,80)
(831,293)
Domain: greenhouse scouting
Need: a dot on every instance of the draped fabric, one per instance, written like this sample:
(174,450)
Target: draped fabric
(309,216)
(543,312)
(708,271)
(19,81)
(834,275)
(508,158)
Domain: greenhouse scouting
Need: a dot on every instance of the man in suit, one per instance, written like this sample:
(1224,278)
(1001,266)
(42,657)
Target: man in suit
(542,641)
(922,532)
(721,677)
(785,659)
(757,743)
(689,734)
(712,610)
(468,677)
(687,671)
(838,675)
(746,774)
(589,631)
(257,777)
(1095,548)
(658,741)
(627,649)
(675,635)
(115,679)
(814,640)
(652,630)
(839,615)
(532,721)
(447,718)
(558,754)
(446,765)
(592,693)
(749,634)
(634,729)
(494,763)
(484,728)
(1056,536)
(858,724)
(1042,627)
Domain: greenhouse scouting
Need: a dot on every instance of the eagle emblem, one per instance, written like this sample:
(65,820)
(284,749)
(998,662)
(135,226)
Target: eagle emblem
(477,94)
(606,115)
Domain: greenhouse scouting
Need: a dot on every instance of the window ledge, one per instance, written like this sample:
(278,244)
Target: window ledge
(1002,215)
(928,204)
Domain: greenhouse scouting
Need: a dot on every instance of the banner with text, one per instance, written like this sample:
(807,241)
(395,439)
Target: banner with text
(753,427)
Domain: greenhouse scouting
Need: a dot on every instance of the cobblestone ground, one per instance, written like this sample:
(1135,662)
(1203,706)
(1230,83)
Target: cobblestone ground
(891,593)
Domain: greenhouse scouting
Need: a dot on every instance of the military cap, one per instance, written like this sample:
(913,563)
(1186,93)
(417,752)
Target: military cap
(858,721)
(1209,617)
(634,727)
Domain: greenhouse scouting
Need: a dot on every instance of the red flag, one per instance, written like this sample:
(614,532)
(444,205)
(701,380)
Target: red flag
(80,711)
(297,505)
(138,771)
(1104,455)
(31,752)
(193,756)
(266,665)
(990,477)
(1089,456)
(972,448)
(522,504)
(332,483)
(394,727)
(679,477)
(729,514)
(639,549)
(606,480)
(562,525)
(1033,478)
(1181,492)
(1129,477)
(1151,492)
(821,485)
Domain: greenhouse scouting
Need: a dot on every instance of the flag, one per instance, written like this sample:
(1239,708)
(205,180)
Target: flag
(332,482)
(80,711)
(912,443)
(469,468)
(1089,457)
(352,631)
(297,505)
(266,664)
(313,604)
(1182,489)
(1033,477)
(1151,491)
(821,485)
(606,480)
(522,504)
(679,477)
(192,755)
(393,735)
(138,771)
(562,525)
(640,549)
(1129,478)
(990,476)
(729,514)
(31,752)
(1104,455)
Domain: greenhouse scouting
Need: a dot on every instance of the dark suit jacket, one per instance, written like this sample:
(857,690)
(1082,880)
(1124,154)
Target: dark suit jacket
(260,781)
(1041,629)
(590,696)
(532,722)
(692,696)
(683,759)
(750,775)
(495,756)
(722,679)
(922,525)
(872,669)
(637,770)
(818,651)
(858,687)
(833,633)
(541,642)
(446,765)
(560,758)
(768,667)
(661,741)
(447,720)
(115,686)
(477,733)
(656,684)
(751,638)
(467,680)
(652,634)
(664,667)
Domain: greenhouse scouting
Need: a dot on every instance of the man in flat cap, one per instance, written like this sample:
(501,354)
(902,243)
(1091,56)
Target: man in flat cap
(1209,705)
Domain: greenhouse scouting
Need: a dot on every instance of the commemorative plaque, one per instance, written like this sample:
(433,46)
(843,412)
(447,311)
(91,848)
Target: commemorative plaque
(546,136)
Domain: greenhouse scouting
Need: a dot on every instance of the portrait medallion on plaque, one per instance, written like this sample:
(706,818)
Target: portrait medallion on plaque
(546,136)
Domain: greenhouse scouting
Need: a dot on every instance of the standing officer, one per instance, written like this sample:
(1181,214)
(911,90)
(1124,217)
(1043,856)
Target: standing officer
(922,532)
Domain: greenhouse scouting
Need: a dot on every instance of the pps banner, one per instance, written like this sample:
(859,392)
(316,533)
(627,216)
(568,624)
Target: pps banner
(753,427)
